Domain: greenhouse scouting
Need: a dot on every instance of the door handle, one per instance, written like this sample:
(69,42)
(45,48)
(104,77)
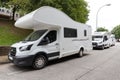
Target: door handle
(57,44)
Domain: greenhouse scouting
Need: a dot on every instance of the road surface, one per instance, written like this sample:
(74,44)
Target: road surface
(95,65)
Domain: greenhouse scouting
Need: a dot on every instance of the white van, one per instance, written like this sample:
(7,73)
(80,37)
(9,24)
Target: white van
(101,40)
(112,40)
(55,36)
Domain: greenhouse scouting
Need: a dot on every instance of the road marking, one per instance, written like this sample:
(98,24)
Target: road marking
(15,72)
(12,73)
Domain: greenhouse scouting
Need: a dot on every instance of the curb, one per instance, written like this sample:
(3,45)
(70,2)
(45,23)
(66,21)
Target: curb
(4,59)
(1,63)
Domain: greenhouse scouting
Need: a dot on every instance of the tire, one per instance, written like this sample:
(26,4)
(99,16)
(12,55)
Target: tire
(109,46)
(103,47)
(39,62)
(80,53)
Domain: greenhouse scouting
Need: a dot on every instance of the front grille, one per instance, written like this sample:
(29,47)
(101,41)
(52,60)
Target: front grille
(13,51)
(94,43)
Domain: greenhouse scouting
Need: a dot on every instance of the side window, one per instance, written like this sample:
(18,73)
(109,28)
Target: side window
(16,15)
(2,10)
(8,11)
(70,33)
(105,38)
(51,36)
(85,32)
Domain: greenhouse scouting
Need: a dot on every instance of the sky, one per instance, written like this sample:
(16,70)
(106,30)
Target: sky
(108,16)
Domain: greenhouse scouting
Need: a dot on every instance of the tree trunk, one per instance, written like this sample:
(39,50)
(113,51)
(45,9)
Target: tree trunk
(13,12)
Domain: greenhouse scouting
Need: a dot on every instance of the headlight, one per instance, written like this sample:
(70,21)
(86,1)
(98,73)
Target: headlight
(25,48)
(100,42)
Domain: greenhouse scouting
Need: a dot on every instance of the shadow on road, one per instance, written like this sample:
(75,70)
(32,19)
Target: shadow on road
(99,48)
(50,63)
(65,59)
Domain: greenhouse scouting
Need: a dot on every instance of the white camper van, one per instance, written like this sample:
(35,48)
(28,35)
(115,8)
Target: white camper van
(101,40)
(112,40)
(55,36)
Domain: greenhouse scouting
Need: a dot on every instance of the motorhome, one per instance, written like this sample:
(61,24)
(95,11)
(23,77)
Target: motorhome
(55,36)
(112,40)
(101,40)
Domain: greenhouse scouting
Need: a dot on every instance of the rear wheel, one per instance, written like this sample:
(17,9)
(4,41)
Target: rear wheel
(80,54)
(39,62)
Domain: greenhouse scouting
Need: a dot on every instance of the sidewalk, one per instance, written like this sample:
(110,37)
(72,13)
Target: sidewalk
(4,59)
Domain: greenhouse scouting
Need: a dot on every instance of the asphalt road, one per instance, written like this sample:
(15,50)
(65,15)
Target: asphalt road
(95,65)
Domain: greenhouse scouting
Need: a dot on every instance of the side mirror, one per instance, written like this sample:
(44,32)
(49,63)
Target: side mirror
(44,41)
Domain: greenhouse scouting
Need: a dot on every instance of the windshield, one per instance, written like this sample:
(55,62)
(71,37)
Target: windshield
(97,38)
(35,35)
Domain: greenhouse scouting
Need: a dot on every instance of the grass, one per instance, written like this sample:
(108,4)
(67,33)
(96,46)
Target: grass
(10,34)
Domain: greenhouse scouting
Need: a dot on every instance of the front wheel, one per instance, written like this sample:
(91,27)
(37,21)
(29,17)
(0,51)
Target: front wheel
(39,62)
(102,47)
(109,46)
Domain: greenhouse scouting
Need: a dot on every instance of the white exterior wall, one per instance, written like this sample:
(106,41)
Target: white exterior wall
(5,11)
(72,45)
(8,12)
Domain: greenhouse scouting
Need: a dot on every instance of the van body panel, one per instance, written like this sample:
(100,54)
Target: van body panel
(112,40)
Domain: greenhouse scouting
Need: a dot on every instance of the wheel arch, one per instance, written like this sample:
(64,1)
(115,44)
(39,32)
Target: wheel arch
(41,53)
(82,48)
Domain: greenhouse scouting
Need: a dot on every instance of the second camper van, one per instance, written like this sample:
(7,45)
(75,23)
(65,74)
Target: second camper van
(112,40)
(55,36)
(101,40)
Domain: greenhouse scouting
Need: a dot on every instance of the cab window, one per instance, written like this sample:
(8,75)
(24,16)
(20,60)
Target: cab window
(49,38)
(52,36)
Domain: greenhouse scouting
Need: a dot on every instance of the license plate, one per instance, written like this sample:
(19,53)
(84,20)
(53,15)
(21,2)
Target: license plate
(94,45)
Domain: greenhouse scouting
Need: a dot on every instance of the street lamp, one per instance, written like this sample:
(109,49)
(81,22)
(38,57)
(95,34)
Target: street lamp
(98,12)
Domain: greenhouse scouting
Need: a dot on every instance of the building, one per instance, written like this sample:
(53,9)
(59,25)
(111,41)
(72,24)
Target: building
(6,13)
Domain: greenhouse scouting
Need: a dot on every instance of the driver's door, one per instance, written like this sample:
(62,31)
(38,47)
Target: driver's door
(52,47)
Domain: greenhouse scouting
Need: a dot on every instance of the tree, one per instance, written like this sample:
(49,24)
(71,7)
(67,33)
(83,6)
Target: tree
(3,2)
(116,32)
(76,9)
(0,2)
(18,4)
(101,29)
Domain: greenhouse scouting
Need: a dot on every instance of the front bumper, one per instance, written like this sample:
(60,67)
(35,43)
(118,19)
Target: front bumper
(22,61)
(97,46)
